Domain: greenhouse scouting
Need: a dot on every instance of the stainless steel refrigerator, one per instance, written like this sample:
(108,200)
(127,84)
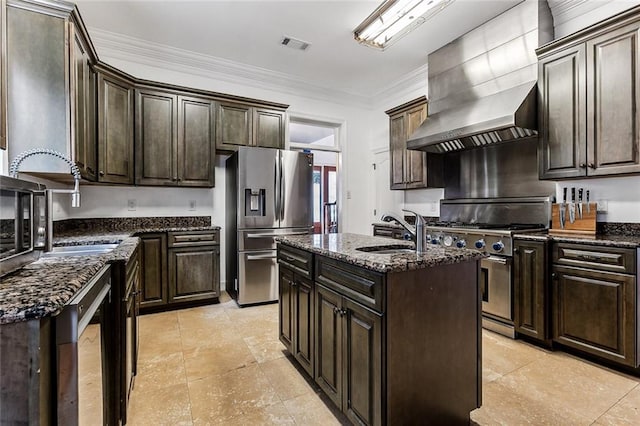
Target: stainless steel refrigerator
(269,192)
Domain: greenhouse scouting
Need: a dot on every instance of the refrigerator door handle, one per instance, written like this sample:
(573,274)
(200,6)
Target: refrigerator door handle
(276,235)
(276,187)
(261,256)
(282,191)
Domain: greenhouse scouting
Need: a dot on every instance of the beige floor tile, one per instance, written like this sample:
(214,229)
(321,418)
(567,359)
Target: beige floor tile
(202,316)
(212,334)
(156,372)
(265,348)
(155,343)
(286,379)
(160,322)
(502,406)
(166,406)
(275,414)
(310,410)
(501,355)
(565,384)
(624,412)
(219,358)
(222,397)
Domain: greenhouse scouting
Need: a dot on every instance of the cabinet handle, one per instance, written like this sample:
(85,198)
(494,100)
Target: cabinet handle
(343,312)
(101,173)
(554,275)
(516,250)
(175,178)
(583,166)
(592,166)
(294,283)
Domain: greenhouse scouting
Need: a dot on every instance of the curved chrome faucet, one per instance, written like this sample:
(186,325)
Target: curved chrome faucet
(14,169)
(416,231)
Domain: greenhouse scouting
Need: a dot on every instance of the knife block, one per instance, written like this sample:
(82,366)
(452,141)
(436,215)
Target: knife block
(585,227)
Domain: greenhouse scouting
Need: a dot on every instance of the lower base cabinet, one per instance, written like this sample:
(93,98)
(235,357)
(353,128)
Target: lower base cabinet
(179,268)
(531,298)
(595,298)
(386,348)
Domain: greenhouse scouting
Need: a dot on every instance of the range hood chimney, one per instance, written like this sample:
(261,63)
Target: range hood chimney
(482,86)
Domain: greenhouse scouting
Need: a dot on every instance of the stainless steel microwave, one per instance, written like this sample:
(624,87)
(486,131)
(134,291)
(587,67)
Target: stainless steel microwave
(23,210)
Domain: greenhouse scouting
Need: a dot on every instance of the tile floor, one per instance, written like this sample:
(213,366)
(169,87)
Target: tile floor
(220,364)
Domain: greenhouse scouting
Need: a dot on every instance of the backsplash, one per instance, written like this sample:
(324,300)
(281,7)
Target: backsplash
(124,224)
(618,228)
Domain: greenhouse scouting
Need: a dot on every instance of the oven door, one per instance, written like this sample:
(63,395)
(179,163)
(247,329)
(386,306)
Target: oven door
(495,286)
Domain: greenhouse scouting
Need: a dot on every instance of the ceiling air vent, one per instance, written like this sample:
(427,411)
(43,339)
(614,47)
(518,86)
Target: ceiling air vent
(295,43)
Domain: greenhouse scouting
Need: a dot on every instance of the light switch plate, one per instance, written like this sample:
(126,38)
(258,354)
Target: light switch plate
(132,204)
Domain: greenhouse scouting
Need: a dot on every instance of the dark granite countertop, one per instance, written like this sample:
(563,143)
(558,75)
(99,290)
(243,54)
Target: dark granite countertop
(344,247)
(624,241)
(43,287)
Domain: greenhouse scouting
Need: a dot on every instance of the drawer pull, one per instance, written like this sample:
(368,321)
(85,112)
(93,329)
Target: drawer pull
(261,256)
(589,258)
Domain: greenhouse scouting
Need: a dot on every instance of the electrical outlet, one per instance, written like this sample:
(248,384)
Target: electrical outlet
(192,205)
(603,205)
(131,204)
(348,195)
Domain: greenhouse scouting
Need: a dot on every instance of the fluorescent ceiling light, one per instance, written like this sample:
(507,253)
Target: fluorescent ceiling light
(395,18)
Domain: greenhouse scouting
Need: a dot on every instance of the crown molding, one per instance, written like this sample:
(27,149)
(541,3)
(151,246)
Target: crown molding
(131,49)
(566,10)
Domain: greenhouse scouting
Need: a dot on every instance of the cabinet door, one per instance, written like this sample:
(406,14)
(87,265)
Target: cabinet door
(268,128)
(595,312)
(153,255)
(286,308)
(362,361)
(233,126)
(193,273)
(328,358)
(398,140)
(530,283)
(562,110)
(156,138)
(613,120)
(83,99)
(115,129)
(196,145)
(303,327)
(415,175)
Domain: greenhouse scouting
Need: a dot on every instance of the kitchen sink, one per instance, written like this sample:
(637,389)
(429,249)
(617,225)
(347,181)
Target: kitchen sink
(386,250)
(81,250)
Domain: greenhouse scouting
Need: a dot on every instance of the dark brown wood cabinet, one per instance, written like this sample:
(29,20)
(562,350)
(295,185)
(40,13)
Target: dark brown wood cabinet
(362,321)
(594,308)
(179,268)
(3,74)
(590,101)
(174,139)
(115,127)
(153,258)
(242,124)
(531,296)
(409,168)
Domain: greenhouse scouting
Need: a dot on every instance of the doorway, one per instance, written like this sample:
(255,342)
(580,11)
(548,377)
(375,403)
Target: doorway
(321,139)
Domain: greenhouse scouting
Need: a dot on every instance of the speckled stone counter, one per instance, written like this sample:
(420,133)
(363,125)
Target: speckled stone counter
(623,241)
(43,287)
(344,247)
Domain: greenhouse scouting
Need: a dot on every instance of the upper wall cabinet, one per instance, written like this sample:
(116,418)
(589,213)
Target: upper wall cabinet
(590,101)
(174,138)
(115,126)
(411,169)
(49,84)
(241,124)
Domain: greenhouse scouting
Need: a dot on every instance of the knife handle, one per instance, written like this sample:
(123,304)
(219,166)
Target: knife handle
(580,190)
(573,194)
(564,194)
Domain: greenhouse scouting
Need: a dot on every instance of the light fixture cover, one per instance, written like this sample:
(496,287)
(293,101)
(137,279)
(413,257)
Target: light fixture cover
(395,18)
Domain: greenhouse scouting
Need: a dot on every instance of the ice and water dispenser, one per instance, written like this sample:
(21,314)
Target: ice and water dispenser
(254,202)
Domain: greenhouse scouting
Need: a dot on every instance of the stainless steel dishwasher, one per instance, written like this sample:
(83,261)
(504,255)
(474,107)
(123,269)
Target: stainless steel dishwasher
(84,339)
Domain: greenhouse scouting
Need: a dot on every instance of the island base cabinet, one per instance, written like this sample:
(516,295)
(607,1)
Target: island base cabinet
(349,356)
(594,312)
(296,317)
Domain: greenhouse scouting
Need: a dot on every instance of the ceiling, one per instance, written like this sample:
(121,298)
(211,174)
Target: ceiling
(249,33)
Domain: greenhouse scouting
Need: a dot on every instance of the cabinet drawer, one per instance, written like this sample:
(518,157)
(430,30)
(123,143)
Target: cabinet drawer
(595,257)
(361,285)
(297,260)
(193,238)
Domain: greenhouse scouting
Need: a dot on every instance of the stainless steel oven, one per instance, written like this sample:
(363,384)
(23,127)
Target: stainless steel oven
(84,339)
(22,223)
(497,288)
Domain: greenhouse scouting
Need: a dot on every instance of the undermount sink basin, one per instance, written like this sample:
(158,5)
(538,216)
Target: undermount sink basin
(82,250)
(386,250)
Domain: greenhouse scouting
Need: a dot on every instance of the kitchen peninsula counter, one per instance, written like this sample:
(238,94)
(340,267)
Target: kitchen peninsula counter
(389,337)
(345,247)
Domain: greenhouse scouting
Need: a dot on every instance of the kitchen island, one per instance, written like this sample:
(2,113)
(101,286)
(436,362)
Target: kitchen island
(391,337)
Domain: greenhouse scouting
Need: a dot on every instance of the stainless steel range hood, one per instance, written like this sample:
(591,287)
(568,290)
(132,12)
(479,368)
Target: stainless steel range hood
(482,86)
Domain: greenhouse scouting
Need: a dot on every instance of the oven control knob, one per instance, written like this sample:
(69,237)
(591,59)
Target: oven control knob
(461,244)
(448,240)
(498,246)
(435,240)
(480,244)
